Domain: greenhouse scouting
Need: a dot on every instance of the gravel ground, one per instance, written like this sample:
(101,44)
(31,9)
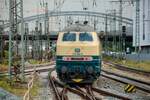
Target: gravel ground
(46,94)
(44,91)
(72,96)
(119,88)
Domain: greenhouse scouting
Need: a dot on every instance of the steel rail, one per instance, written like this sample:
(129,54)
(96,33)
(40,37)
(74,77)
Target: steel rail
(40,65)
(83,94)
(59,95)
(79,92)
(90,92)
(52,84)
(88,96)
(63,94)
(126,80)
(130,78)
(29,70)
(126,68)
(110,93)
(71,89)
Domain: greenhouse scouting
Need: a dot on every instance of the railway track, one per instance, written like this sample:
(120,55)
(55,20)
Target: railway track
(145,86)
(125,68)
(30,69)
(86,92)
(89,90)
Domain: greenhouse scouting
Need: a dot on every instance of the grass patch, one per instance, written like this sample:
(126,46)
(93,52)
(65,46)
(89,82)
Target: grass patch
(32,61)
(35,88)
(14,89)
(17,88)
(3,67)
(142,65)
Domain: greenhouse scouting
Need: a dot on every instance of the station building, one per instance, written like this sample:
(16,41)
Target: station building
(144,30)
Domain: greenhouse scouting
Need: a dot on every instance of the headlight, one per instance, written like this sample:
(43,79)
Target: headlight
(90,69)
(64,69)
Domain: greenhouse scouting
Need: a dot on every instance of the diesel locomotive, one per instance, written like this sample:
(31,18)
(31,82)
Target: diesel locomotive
(78,55)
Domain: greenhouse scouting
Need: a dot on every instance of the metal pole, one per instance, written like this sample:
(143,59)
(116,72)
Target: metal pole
(16,18)
(1,41)
(120,28)
(26,40)
(10,55)
(138,47)
(106,39)
(114,31)
(47,28)
(37,41)
(22,42)
(10,38)
(40,41)
(110,32)
(137,39)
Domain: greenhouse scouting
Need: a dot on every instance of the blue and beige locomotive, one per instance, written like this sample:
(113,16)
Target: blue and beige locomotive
(78,55)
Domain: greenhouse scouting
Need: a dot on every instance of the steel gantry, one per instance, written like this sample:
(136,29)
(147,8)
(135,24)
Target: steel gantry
(26,40)
(120,28)
(1,41)
(81,13)
(106,32)
(16,27)
(77,13)
(113,30)
(46,30)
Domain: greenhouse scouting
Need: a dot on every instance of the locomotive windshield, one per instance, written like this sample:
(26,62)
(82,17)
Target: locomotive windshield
(85,37)
(69,37)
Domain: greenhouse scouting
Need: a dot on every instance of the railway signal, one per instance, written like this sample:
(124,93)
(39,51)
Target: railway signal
(124,40)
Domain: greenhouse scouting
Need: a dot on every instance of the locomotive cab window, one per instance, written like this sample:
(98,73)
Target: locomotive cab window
(85,37)
(69,37)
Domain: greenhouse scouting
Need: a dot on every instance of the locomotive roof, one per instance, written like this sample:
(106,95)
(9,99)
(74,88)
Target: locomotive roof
(79,28)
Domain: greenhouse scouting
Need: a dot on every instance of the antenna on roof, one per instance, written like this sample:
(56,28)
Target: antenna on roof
(85,22)
(77,22)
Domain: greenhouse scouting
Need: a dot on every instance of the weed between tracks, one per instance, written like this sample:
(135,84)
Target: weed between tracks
(35,88)
(3,67)
(32,61)
(16,88)
(143,65)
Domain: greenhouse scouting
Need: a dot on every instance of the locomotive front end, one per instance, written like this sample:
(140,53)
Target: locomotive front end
(78,57)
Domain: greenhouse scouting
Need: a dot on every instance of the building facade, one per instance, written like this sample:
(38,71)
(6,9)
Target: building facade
(144,22)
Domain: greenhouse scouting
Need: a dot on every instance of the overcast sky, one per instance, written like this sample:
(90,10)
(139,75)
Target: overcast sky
(31,6)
